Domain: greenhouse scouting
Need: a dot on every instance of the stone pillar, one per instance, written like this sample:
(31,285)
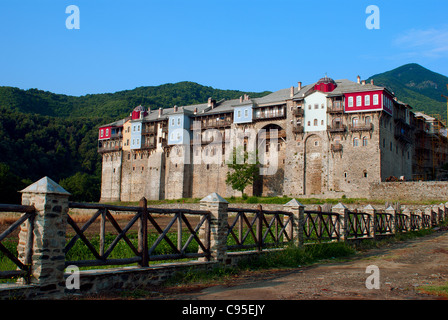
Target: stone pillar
(218,226)
(369,209)
(343,220)
(391,210)
(428,211)
(298,210)
(420,214)
(446,211)
(434,215)
(48,259)
(441,214)
(407,222)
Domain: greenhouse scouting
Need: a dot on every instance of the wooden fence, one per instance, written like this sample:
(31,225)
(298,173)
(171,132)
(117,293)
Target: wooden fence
(49,233)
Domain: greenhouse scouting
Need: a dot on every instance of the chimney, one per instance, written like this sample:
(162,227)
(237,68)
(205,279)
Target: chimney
(299,85)
(160,112)
(371,81)
(241,99)
(209,103)
(291,92)
(363,82)
(195,110)
(175,108)
(359,79)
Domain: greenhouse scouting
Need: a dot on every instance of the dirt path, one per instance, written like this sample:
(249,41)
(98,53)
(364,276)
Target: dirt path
(403,268)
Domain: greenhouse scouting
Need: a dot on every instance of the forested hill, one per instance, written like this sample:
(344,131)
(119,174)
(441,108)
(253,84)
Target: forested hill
(421,88)
(112,105)
(54,135)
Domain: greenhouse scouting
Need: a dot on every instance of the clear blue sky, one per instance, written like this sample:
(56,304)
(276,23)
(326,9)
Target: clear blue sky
(250,45)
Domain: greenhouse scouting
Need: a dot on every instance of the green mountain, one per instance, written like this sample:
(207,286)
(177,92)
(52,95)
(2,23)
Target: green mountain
(417,86)
(112,105)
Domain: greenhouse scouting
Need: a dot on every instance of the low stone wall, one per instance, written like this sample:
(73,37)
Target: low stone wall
(410,190)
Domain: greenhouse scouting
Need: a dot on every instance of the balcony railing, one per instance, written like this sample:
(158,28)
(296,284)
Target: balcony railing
(298,112)
(337,147)
(108,149)
(337,128)
(361,127)
(297,129)
(335,109)
(269,115)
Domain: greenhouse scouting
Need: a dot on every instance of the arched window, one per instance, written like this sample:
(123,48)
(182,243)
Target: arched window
(315,122)
(354,121)
(355,142)
(368,120)
(364,141)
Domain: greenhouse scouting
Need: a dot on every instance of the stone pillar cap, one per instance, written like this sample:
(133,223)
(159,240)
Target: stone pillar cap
(45,185)
(214,197)
(369,207)
(339,206)
(293,203)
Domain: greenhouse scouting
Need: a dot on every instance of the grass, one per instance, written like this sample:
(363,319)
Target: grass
(285,199)
(439,290)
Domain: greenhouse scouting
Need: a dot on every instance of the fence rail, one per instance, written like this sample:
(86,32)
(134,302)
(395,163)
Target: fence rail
(142,250)
(320,226)
(24,266)
(265,228)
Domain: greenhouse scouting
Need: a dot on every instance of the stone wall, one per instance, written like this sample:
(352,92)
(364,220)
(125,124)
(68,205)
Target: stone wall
(410,190)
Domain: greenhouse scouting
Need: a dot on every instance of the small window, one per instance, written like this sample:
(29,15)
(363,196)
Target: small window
(239,113)
(391,146)
(178,121)
(358,101)
(172,122)
(375,100)
(364,141)
(322,122)
(309,107)
(367,100)
(316,106)
(355,142)
(316,143)
(350,102)
(246,113)
(309,123)
(365,174)
(315,122)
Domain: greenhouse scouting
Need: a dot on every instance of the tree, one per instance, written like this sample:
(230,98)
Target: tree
(243,172)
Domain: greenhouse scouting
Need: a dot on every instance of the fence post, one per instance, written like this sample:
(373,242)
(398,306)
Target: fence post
(434,214)
(218,226)
(143,233)
(343,220)
(298,211)
(419,213)
(370,210)
(441,209)
(391,210)
(446,211)
(407,223)
(48,259)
